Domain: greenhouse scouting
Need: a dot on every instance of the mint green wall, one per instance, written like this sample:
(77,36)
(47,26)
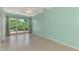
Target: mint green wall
(0,27)
(3,25)
(0,22)
(60,23)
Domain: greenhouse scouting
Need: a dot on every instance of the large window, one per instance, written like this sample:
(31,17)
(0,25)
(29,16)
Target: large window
(18,25)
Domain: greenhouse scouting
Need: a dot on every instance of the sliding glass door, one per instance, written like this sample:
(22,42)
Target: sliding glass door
(18,25)
(12,25)
(26,25)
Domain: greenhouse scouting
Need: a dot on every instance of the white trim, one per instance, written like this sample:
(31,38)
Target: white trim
(57,41)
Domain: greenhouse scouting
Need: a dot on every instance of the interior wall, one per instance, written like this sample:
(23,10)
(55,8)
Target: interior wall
(60,23)
(0,27)
(2,23)
(3,26)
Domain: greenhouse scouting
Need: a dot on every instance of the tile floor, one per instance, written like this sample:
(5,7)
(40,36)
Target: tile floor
(31,42)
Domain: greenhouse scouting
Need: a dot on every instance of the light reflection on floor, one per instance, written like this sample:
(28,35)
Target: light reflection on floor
(15,41)
(30,42)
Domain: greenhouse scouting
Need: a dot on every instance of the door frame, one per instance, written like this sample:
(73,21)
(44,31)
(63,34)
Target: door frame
(8,26)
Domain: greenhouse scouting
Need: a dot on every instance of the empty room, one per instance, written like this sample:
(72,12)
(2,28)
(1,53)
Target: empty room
(39,28)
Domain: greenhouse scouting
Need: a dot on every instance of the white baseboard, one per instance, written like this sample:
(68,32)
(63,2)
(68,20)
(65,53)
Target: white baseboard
(57,41)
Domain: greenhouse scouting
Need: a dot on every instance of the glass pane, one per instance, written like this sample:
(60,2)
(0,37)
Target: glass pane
(26,25)
(12,25)
(20,25)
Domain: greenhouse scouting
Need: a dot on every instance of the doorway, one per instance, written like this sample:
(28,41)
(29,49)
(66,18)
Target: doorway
(17,26)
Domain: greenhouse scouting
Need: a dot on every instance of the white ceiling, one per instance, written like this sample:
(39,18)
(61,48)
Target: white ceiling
(22,10)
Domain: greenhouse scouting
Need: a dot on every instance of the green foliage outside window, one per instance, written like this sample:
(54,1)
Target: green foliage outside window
(20,25)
